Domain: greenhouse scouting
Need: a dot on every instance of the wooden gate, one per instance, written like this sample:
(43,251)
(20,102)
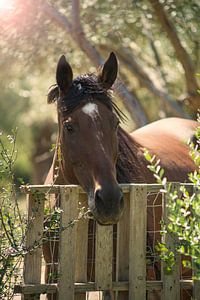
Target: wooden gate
(130,271)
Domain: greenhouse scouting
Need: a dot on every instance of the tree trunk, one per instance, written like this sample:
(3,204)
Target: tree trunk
(75,29)
(181,53)
(143,77)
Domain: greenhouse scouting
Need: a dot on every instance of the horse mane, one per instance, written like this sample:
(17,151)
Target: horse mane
(128,165)
(85,88)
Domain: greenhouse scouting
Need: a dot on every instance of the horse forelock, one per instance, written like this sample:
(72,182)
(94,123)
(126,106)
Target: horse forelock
(85,88)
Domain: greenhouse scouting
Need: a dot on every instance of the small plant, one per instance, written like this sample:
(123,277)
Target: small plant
(14,224)
(11,220)
(184,211)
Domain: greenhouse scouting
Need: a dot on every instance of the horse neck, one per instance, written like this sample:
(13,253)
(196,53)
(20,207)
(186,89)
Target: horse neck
(129,162)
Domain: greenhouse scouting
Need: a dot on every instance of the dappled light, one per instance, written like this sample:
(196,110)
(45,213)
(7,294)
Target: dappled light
(138,59)
(6,5)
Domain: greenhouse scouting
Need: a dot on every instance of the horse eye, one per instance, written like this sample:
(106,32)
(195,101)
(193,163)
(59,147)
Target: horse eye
(68,127)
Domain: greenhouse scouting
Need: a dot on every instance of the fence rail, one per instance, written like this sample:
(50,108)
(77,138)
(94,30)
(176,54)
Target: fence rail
(129,279)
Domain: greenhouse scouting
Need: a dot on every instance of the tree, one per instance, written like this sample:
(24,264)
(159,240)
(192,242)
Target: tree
(180,52)
(150,50)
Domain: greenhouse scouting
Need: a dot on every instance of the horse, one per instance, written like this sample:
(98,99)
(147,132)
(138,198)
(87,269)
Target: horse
(96,153)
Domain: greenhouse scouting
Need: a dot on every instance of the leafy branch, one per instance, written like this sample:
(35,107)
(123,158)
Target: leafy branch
(14,222)
(184,210)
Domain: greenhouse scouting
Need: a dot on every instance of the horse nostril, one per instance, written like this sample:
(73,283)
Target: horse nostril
(98,196)
(109,204)
(116,202)
(99,200)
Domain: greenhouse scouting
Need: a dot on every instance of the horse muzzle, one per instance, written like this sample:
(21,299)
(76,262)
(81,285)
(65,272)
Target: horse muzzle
(107,205)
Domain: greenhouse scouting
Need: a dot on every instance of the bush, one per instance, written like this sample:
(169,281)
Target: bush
(184,211)
(12,222)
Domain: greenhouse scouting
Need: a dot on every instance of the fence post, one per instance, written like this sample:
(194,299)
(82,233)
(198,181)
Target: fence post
(122,255)
(67,251)
(196,287)
(104,256)
(81,249)
(34,235)
(171,282)
(137,242)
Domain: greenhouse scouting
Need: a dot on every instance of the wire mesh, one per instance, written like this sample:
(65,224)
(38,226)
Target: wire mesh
(50,272)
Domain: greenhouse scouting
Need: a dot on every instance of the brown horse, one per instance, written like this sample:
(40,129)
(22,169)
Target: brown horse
(97,153)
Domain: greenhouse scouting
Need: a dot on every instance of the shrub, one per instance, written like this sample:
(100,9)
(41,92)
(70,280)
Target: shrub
(12,222)
(184,211)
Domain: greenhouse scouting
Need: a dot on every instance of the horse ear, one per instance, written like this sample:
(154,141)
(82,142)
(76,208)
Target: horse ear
(109,71)
(64,74)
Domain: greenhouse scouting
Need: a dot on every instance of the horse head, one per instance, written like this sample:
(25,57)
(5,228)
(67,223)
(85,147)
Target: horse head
(88,124)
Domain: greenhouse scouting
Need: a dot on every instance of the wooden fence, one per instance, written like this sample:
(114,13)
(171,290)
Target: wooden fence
(130,270)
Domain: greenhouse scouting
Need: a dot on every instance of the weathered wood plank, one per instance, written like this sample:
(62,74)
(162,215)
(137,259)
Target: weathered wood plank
(54,189)
(104,256)
(81,248)
(171,285)
(171,282)
(196,289)
(34,234)
(122,257)
(137,243)
(69,207)
(90,286)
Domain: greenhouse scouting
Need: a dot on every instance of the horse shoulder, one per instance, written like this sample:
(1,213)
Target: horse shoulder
(181,129)
(168,146)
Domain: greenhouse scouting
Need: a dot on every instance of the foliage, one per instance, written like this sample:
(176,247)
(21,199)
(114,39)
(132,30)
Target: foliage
(15,104)
(12,222)
(184,211)
(32,41)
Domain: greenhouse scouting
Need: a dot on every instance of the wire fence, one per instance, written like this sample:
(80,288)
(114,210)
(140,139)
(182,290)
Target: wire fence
(122,259)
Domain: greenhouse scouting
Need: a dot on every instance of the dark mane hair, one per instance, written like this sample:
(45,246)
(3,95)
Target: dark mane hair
(85,88)
(128,168)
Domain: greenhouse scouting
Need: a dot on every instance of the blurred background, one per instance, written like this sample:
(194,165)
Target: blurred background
(157,44)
